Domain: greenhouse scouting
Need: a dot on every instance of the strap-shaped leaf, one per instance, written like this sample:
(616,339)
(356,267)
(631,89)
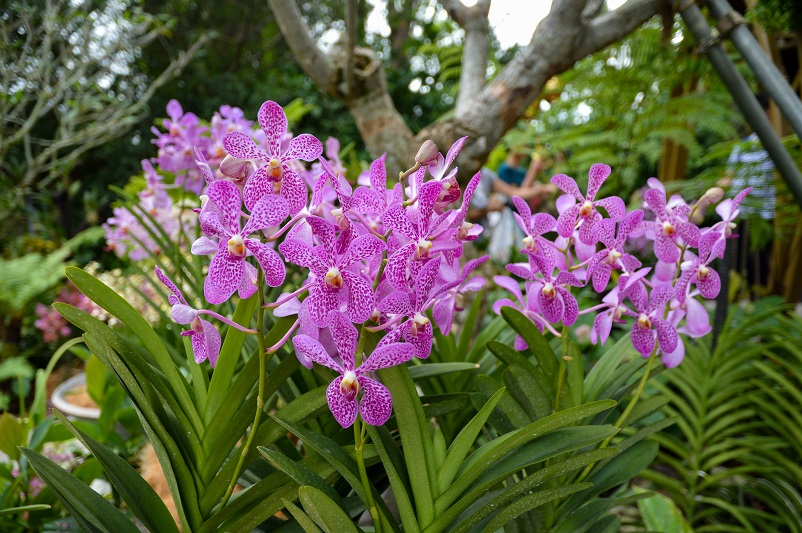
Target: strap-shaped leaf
(575,376)
(303,519)
(603,370)
(510,357)
(140,497)
(530,393)
(24,509)
(428,370)
(327,514)
(493,330)
(87,507)
(393,462)
(462,444)
(341,461)
(529,502)
(415,440)
(538,345)
(512,442)
(469,326)
(300,474)
(116,305)
(229,357)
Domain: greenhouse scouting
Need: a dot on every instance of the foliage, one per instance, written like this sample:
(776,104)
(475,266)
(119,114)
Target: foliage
(731,463)
(777,16)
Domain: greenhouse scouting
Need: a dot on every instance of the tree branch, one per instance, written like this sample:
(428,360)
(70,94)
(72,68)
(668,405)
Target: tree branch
(474,22)
(317,65)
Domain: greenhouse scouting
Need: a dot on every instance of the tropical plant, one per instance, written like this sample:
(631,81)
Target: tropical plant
(731,463)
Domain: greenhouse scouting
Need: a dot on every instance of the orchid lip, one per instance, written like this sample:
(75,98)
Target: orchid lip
(549,291)
(334,279)
(668,228)
(586,210)
(236,246)
(349,385)
(644,322)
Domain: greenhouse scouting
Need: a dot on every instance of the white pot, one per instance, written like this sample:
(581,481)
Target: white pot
(59,400)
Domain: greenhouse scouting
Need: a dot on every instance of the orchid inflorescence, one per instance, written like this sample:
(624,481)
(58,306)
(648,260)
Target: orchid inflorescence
(379,257)
(589,247)
(389,258)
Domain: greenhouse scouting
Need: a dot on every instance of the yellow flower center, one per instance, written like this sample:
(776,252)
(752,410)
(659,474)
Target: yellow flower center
(668,229)
(530,244)
(462,233)
(334,280)
(702,272)
(586,210)
(423,248)
(275,170)
(418,322)
(549,291)
(349,386)
(236,246)
(644,322)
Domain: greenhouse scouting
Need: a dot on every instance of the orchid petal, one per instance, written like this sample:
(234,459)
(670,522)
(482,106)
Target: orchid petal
(376,405)
(343,407)
(241,146)
(304,146)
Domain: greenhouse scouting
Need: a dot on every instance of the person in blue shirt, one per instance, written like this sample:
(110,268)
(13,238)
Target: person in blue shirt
(511,171)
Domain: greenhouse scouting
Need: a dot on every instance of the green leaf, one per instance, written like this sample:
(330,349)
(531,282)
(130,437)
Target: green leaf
(90,509)
(95,380)
(575,375)
(604,369)
(303,519)
(327,514)
(392,459)
(140,497)
(14,368)
(659,513)
(529,502)
(428,370)
(300,474)
(469,326)
(510,357)
(538,345)
(24,509)
(12,434)
(463,442)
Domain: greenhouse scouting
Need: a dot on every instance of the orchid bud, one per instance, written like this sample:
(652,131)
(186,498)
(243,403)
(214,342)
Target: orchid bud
(236,169)
(712,196)
(427,155)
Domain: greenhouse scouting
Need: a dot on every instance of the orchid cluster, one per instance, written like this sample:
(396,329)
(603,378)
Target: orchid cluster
(374,256)
(589,247)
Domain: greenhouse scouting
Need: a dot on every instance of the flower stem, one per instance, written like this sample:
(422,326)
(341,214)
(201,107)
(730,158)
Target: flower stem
(260,400)
(359,442)
(561,379)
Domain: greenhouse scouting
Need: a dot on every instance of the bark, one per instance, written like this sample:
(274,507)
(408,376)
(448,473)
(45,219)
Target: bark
(399,21)
(474,22)
(561,39)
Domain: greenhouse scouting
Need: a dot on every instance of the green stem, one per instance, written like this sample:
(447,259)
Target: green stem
(359,442)
(260,398)
(561,379)
(21,392)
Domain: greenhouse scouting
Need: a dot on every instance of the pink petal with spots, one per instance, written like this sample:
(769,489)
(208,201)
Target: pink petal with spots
(397,268)
(199,347)
(294,190)
(321,302)
(664,272)
(170,285)
(689,233)
(443,313)
(605,232)
(274,123)
(361,300)
(427,196)
(629,225)
(345,338)
(552,308)
(212,226)
(368,200)
(257,187)
(387,356)
(660,296)
(544,264)
(422,340)
(378,175)
(454,150)
(740,198)
(666,335)
(300,253)
(247,287)
(525,213)
(706,244)
(631,263)
(642,340)
(289,308)
(521,271)
(710,286)
(601,277)
(466,200)
(665,248)
(268,212)
(425,281)
(224,277)
(313,350)
(304,146)
(242,146)
(602,325)
(596,176)
(567,221)
(396,219)
(566,278)
(586,229)
(363,248)
(571,312)
(567,185)
(323,229)
(376,405)
(343,406)
(227,197)
(564,201)
(393,336)
(637,293)
(656,202)
(615,207)
(269,260)
(397,303)
(543,223)
(212,341)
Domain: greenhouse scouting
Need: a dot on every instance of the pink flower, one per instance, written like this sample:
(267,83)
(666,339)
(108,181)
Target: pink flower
(450,300)
(534,226)
(556,303)
(376,403)
(613,255)
(649,323)
(227,271)
(585,211)
(669,227)
(277,173)
(697,269)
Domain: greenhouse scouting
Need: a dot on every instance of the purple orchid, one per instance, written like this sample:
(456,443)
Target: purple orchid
(728,211)
(527,306)
(404,262)
(448,180)
(334,272)
(612,308)
(613,256)
(697,269)
(534,226)
(205,338)
(585,210)
(669,227)
(227,271)
(376,403)
(556,303)
(277,173)
(649,322)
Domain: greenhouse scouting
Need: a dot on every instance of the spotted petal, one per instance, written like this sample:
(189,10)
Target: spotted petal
(710,286)
(313,350)
(361,300)
(268,212)
(378,175)
(614,206)
(425,281)
(397,303)
(274,123)
(224,277)
(525,212)
(212,341)
(304,146)
(642,340)
(567,185)
(269,260)
(666,335)
(321,302)
(596,176)
(376,404)
(567,221)
(551,307)
(363,248)
(344,407)
(241,146)
(170,285)
(397,268)
(345,338)
(387,356)
(294,190)
(227,197)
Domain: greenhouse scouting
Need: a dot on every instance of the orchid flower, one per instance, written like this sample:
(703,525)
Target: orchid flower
(669,227)
(697,269)
(376,403)
(534,226)
(276,175)
(650,323)
(451,299)
(613,255)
